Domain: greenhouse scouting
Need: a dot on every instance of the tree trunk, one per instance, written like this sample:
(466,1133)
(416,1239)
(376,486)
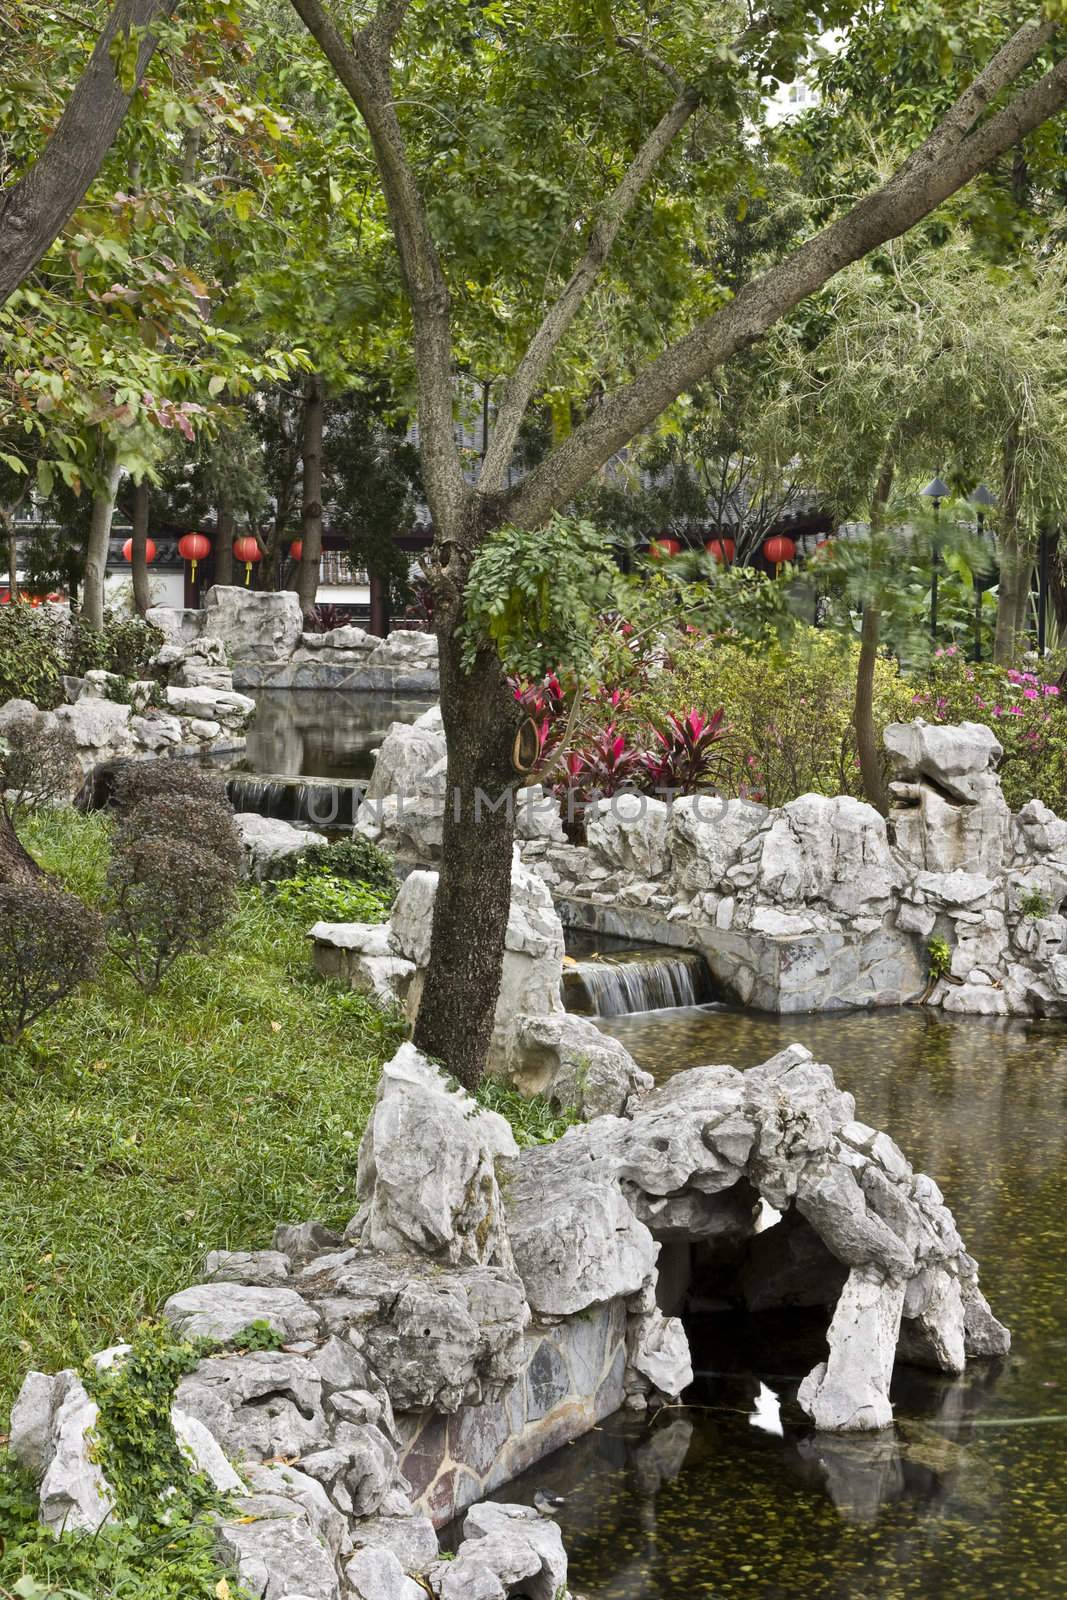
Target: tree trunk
(142,589)
(458,1006)
(1013,587)
(863,712)
(92,608)
(8,521)
(870,756)
(224,531)
(34,211)
(16,863)
(307,578)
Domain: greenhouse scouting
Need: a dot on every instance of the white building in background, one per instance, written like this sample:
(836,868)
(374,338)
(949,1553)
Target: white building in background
(793,99)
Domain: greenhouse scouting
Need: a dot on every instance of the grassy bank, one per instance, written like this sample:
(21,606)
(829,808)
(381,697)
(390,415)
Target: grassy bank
(142,1130)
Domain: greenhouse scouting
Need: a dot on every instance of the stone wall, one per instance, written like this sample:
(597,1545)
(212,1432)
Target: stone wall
(821,904)
(262,634)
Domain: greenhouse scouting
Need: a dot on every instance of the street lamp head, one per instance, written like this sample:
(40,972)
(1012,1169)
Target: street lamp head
(982,497)
(936,489)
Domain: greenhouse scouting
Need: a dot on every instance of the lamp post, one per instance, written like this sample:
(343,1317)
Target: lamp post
(982,499)
(936,490)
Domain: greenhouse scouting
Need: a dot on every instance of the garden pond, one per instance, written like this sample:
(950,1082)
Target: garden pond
(731,1495)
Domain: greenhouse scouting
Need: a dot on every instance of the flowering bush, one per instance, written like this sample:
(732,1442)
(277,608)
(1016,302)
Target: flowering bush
(1026,711)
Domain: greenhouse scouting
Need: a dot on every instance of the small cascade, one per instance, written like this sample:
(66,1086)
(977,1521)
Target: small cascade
(322,802)
(613,985)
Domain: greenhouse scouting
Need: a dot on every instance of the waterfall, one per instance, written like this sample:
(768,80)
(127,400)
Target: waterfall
(324,803)
(640,980)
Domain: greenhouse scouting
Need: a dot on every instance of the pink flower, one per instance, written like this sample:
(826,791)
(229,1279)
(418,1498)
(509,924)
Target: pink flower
(1052,688)
(1030,694)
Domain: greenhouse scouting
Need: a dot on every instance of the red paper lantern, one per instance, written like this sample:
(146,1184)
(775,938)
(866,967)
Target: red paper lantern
(247,550)
(659,548)
(721,550)
(779,549)
(149,550)
(194,547)
(296,550)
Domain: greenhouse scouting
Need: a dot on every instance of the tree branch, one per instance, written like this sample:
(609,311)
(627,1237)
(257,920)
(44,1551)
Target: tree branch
(557,320)
(34,211)
(911,194)
(520,387)
(364,72)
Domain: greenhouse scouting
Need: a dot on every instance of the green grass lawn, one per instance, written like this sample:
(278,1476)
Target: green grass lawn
(140,1131)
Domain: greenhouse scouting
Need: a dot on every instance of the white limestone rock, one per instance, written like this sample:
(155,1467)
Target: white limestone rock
(629,832)
(949,755)
(658,1351)
(224,706)
(74,1494)
(253,624)
(407,754)
(575,1240)
(427,1178)
(821,851)
(267,841)
(203,1452)
(706,837)
(33,1418)
(100,727)
(410,1537)
(276,1552)
(376,1574)
(849,1392)
(223,1310)
(575,1066)
(506,1550)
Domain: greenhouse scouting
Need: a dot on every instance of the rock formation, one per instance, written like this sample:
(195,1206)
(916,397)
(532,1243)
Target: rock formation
(820,904)
(486,1304)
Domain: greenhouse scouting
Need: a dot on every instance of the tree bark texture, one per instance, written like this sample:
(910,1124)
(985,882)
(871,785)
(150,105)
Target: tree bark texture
(307,577)
(16,863)
(870,757)
(92,608)
(224,531)
(142,588)
(35,210)
(1014,558)
(867,747)
(458,1004)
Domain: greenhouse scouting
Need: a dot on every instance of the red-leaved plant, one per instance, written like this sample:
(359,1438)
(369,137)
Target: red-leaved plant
(687,756)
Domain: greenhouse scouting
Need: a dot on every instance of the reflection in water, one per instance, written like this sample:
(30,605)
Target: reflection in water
(966,1497)
(323,733)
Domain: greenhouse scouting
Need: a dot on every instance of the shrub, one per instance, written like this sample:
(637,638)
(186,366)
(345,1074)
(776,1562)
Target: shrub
(1025,710)
(50,942)
(38,764)
(136,782)
(788,709)
(124,645)
(32,656)
(355,859)
(204,823)
(321,897)
(166,897)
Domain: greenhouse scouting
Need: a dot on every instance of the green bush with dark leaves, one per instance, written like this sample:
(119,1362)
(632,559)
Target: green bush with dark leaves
(32,656)
(50,943)
(355,859)
(38,764)
(166,897)
(124,645)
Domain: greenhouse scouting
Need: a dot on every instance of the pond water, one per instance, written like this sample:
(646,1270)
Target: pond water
(323,733)
(966,1497)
